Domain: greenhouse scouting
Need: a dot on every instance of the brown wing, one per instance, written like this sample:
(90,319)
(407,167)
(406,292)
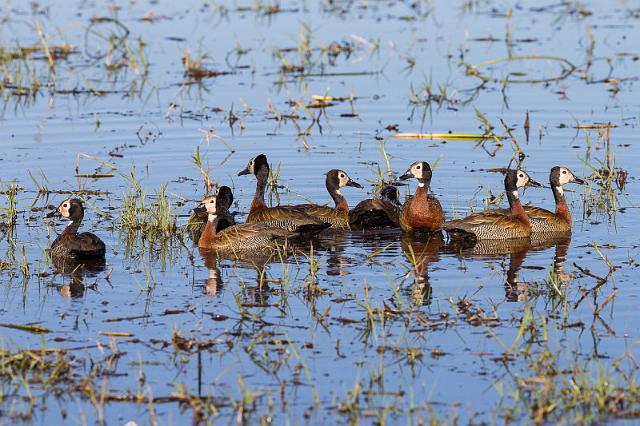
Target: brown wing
(318,211)
(250,236)
(197,222)
(532,212)
(337,218)
(489,225)
(539,213)
(287,217)
(86,245)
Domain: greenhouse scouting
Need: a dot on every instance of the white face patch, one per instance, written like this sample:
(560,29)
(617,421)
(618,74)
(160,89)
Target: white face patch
(560,190)
(343,179)
(64,208)
(565,176)
(210,205)
(416,170)
(522,179)
(515,194)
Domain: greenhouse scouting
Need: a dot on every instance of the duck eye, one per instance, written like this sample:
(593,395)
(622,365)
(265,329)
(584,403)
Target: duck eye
(341,175)
(521,175)
(564,172)
(65,205)
(418,167)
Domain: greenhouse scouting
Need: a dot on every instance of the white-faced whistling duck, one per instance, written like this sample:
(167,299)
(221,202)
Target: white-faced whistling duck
(544,221)
(287,217)
(495,224)
(69,243)
(337,216)
(422,211)
(245,237)
(197,221)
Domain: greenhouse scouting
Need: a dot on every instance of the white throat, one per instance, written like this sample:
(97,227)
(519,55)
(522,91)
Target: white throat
(515,194)
(70,223)
(421,184)
(338,191)
(212,217)
(560,190)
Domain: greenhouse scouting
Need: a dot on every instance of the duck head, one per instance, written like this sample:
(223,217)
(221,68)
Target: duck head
(515,179)
(208,205)
(339,178)
(419,170)
(255,166)
(560,176)
(71,209)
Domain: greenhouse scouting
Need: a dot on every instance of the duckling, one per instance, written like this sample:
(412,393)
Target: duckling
(381,211)
(422,211)
(290,218)
(337,216)
(495,224)
(69,243)
(197,222)
(243,238)
(544,221)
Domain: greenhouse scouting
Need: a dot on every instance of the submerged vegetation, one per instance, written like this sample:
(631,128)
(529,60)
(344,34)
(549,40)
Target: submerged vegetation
(352,327)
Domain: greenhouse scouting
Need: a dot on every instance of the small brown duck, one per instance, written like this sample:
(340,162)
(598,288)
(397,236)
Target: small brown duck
(244,238)
(544,221)
(197,221)
(287,217)
(422,211)
(381,211)
(69,243)
(495,224)
(337,216)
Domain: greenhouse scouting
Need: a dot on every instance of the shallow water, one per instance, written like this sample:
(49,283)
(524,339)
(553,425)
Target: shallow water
(274,350)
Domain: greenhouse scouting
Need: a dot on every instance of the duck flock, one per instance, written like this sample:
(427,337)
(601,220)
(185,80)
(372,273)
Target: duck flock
(267,228)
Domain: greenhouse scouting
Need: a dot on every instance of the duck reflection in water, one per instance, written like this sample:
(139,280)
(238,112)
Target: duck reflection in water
(76,271)
(334,244)
(259,262)
(213,284)
(517,250)
(421,249)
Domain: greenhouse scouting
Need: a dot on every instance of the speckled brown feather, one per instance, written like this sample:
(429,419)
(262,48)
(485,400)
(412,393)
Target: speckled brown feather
(491,224)
(338,218)
(286,217)
(545,221)
(243,237)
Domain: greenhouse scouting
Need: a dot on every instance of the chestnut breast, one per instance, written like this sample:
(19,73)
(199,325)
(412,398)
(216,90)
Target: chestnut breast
(422,212)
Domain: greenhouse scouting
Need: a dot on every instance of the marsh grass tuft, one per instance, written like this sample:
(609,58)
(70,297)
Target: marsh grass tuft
(10,211)
(151,218)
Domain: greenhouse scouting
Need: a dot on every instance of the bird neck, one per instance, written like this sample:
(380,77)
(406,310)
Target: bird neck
(338,198)
(261,185)
(515,205)
(562,210)
(73,226)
